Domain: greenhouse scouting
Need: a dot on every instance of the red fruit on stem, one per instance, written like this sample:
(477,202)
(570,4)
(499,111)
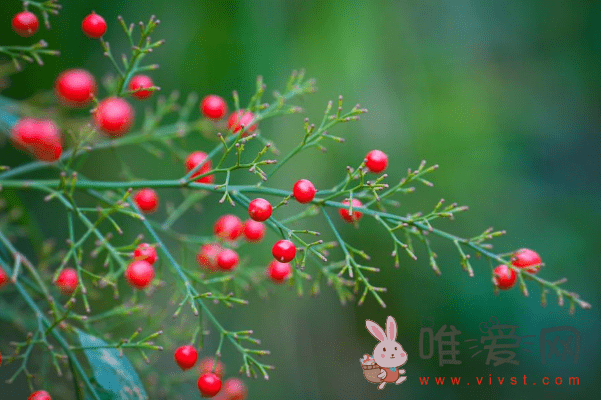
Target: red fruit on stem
(227,259)
(197,158)
(259,209)
(228,227)
(213,107)
(345,212)
(207,256)
(504,277)
(209,384)
(278,272)
(376,161)
(138,83)
(40,138)
(25,24)
(208,364)
(283,250)
(67,281)
(114,116)
(241,119)
(304,191)
(93,26)
(75,87)
(39,395)
(527,259)
(234,389)
(4,279)
(185,357)
(146,252)
(147,200)
(254,231)
(139,274)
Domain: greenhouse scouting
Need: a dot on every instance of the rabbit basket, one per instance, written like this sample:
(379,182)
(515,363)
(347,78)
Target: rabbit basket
(371,373)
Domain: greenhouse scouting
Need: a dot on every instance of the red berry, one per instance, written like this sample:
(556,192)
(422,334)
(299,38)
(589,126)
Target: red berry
(376,161)
(75,87)
(504,277)
(93,26)
(213,107)
(196,158)
(207,364)
(39,395)
(67,281)
(3,278)
(0,358)
(141,82)
(304,191)
(527,259)
(241,119)
(345,212)
(114,116)
(234,389)
(283,250)
(25,24)
(254,231)
(41,138)
(145,252)
(209,384)
(207,256)
(228,227)
(259,209)
(147,200)
(185,357)
(278,272)
(227,259)
(139,274)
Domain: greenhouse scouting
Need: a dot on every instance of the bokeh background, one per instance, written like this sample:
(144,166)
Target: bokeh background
(503,95)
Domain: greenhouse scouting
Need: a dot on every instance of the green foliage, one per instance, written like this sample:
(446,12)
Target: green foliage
(512,127)
(112,371)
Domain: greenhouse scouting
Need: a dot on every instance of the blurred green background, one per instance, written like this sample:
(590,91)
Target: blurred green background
(503,95)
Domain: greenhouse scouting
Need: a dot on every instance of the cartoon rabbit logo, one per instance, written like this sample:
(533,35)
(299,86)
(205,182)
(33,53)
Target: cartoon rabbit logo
(383,366)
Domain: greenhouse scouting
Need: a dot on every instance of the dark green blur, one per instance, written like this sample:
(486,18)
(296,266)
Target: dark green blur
(504,96)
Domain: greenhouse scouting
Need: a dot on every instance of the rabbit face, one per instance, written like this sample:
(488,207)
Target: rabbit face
(388,353)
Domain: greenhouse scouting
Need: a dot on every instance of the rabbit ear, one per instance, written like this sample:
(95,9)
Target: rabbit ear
(375,330)
(391,328)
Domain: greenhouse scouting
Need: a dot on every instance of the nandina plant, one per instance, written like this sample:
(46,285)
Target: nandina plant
(65,294)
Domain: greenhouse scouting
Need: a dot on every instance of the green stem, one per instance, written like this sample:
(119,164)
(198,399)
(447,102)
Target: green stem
(178,270)
(61,341)
(45,185)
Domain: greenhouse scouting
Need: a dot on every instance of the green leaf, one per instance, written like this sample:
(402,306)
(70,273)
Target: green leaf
(104,395)
(113,373)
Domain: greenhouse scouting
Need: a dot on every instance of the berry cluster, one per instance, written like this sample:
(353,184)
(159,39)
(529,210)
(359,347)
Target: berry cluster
(211,374)
(505,277)
(303,191)
(140,272)
(113,116)
(217,256)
